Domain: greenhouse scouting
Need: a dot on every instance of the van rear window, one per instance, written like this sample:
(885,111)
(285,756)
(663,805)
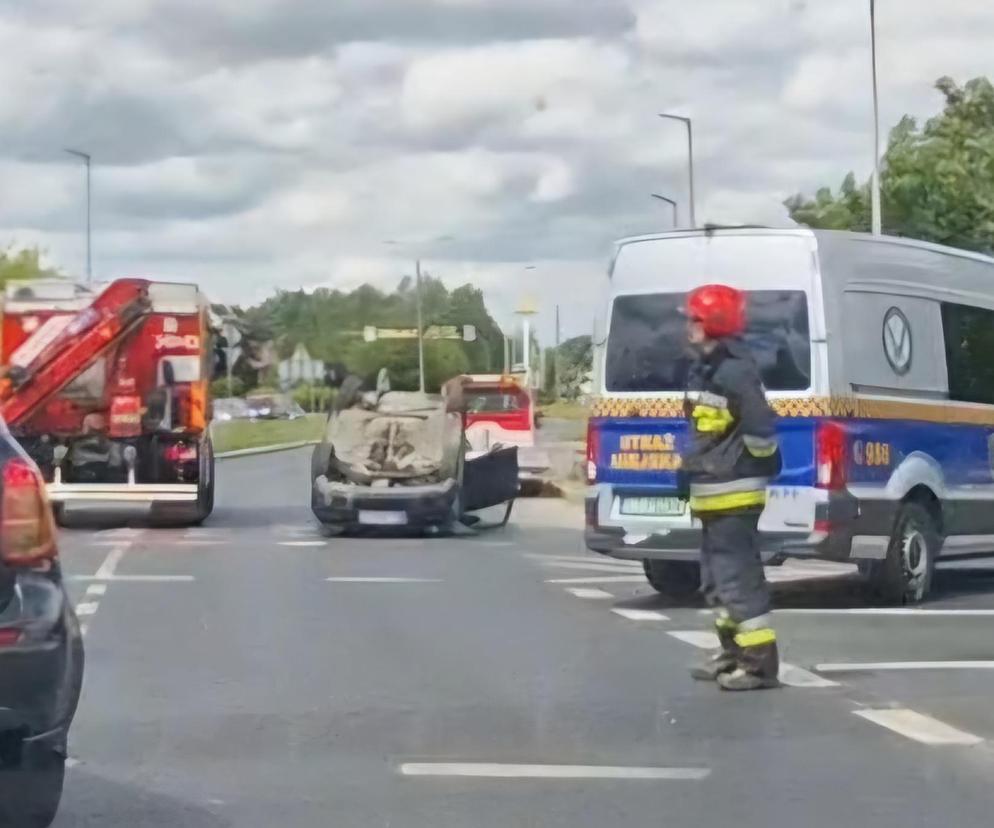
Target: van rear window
(647,343)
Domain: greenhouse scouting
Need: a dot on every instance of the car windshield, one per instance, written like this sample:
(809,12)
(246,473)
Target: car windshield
(647,345)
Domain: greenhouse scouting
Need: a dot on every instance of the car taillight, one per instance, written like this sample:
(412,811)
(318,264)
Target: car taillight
(593,450)
(27,530)
(180,453)
(830,455)
(9,636)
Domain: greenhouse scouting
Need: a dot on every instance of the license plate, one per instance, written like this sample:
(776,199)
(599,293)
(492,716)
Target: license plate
(372,517)
(654,506)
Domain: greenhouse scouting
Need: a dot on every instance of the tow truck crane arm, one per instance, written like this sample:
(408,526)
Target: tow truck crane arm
(51,365)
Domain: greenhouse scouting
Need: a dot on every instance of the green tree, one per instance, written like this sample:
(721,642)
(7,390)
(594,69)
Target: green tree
(936,182)
(22,265)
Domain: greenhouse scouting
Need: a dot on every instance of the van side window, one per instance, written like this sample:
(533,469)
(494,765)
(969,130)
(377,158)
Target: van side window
(969,336)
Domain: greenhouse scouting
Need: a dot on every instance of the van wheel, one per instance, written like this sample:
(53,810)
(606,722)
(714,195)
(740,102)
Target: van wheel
(905,575)
(674,579)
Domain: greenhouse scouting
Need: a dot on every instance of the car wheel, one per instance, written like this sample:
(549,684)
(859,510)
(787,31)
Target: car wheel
(674,579)
(905,575)
(31,792)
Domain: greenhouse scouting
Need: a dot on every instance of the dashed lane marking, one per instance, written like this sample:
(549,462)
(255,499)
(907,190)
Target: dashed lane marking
(844,667)
(937,613)
(915,726)
(383,580)
(109,566)
(790,674)
(495,770)
(135,579)
(96,590)
(606,579)
(84,608)
(639,614)
(590,567)
(304,543)
(590,593)
(585,559)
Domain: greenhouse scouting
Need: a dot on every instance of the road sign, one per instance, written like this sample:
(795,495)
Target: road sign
(466,333)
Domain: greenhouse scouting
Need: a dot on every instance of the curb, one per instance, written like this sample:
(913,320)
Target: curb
(248,452)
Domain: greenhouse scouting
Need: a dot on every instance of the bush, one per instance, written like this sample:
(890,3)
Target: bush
(220,388)
(313,397)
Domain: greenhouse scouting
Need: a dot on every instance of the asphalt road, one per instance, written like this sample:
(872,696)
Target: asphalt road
(231,683)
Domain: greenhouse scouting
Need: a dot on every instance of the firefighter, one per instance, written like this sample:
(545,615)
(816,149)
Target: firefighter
(732,457)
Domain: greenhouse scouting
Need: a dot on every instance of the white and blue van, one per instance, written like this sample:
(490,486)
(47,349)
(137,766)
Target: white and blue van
(877,354)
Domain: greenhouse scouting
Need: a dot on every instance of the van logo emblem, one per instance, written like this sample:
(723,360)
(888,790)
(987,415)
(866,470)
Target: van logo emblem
(897,341)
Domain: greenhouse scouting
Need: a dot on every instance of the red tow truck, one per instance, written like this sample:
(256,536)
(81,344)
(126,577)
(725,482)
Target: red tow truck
(108,392)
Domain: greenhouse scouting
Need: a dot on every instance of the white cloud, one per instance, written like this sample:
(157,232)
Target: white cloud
(254,144)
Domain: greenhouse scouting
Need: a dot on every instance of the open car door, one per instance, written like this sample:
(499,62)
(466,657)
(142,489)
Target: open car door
(490,479)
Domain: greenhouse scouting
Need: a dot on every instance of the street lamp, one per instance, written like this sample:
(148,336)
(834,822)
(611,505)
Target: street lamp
(89,257)
(669,201)
(690,159)
(875,221)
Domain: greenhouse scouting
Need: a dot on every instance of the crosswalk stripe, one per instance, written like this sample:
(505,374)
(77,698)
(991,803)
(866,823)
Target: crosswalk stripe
(605,579)
(639,614)
(499,770)
(918,727)
(592,594)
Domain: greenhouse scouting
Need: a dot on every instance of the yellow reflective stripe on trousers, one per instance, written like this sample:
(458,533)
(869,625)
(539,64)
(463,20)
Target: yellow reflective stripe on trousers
(756,638)
(724,622)
(711,420)
(727,502)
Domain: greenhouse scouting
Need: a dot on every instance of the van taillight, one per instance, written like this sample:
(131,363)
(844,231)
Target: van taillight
(593,450)
(830,455)
(27,532)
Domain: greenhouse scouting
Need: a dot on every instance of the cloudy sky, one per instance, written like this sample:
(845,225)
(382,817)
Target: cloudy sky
(256,144)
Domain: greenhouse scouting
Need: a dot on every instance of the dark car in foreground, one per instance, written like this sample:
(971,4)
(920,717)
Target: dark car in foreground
(396,459)
(41,650)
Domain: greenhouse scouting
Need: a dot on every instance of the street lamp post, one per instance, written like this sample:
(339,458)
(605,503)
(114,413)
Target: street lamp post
(421,332)
(669,201)
(690,160)
(89,202)
(875,221)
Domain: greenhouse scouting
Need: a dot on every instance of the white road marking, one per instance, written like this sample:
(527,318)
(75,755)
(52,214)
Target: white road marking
(71,761)
(84,629)
(495,770)
(591,567)
(606,579)
(96,589)
(585,559)
(844,667)
(304,543)
(640,614)
(384,580)
(84,608)
(790,674)
(109,566)
(937,613)
(915,726)
(135,579)
(794,676)
(592,594)
(121,533)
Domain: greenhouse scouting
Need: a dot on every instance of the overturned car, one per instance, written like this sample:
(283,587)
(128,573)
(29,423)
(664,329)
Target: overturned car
(398,459)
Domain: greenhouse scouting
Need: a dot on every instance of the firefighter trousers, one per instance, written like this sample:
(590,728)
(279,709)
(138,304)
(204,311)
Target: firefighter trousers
(734,584)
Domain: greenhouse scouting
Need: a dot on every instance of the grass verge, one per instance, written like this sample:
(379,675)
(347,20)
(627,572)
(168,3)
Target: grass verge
(565,410)
(233,435)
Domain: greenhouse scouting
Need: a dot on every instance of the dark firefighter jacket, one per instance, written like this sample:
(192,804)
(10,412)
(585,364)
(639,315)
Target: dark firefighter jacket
(733,452)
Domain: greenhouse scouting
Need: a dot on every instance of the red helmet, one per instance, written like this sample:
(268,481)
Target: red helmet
(719,308)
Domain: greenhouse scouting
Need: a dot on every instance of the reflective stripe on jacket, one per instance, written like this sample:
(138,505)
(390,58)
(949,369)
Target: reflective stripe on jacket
(734,451)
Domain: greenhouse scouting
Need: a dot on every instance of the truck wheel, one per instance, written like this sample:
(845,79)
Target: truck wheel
(205,485)
(30,794)
(905,575)
(674,579)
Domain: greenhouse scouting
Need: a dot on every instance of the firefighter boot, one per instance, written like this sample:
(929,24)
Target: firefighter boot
(723,660)
(757,667)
